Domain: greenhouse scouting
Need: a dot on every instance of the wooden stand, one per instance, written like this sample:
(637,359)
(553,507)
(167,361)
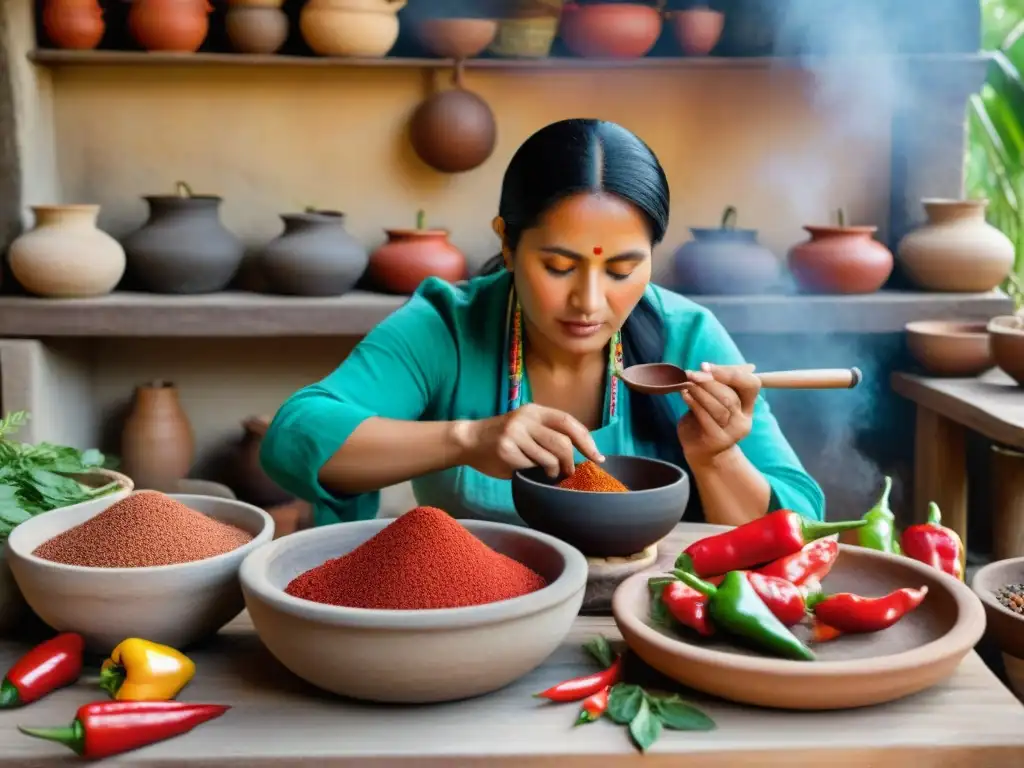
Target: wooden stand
(606,573)
(940,473)
(1008,500)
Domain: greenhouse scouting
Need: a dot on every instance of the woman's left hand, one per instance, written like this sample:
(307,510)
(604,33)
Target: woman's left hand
(721,400)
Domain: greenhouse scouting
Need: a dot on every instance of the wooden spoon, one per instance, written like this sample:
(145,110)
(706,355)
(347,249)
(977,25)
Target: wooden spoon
(665,378)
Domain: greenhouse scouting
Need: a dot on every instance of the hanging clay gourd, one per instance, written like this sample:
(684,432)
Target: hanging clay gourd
(314,256)
(726,260)
(73,24)
(178,26)
(410,256)
(840,259)
(453,131)
(183,247)
(256,26)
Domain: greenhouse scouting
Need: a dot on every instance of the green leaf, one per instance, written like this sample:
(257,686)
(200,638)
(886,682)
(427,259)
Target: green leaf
(645,728)
(92,458)
(659,613)
(624,702)
(676,714)
(12,514)
(599,648)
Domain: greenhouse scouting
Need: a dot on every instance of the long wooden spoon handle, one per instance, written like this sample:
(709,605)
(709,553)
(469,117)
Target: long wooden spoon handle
(813,378)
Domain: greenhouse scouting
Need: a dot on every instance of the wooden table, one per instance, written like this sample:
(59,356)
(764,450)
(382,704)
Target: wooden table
(991,405)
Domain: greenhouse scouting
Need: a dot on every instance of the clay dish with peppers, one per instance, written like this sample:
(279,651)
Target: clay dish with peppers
(922,649)
(608,523)
(412,656)
(1005,625)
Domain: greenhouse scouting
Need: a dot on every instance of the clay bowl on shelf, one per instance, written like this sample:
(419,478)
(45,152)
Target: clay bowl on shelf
(456,38)
(950,347)
(409,656)
(606,524)
(1005,626)
(1007,335)
(177,605)
(921,650)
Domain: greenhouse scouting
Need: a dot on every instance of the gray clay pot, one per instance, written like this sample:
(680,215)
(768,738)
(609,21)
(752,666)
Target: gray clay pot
(314,256)
(183,248)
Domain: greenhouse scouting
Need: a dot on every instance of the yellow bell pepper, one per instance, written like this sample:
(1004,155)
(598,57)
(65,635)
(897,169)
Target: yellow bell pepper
(139,670)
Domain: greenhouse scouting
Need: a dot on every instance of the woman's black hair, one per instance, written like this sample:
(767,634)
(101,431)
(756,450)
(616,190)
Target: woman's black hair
(586,155)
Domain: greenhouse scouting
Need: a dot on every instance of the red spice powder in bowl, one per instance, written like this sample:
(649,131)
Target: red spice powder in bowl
(588,476)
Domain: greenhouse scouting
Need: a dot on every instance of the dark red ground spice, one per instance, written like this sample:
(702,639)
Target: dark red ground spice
(424,559)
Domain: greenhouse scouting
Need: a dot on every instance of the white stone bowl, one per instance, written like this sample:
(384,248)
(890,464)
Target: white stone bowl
(408,656)
(177,605)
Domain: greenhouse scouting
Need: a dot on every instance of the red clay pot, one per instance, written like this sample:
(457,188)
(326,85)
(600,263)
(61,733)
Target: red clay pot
(177,26)
(840,260)
(73,24)
(410,256)
(610,30)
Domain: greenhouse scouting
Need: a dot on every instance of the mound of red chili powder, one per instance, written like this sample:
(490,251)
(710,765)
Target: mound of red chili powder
(589,477)
(424,559)
(143,529)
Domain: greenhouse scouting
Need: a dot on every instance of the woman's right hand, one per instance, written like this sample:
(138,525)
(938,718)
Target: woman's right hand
(531,435)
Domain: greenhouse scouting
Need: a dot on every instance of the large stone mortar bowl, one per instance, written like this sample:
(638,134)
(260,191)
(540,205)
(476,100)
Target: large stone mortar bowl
(177,605)
(1005,625)
(606,524)
(411,656)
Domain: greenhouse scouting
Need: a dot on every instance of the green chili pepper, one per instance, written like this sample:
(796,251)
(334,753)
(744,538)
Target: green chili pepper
(736,608)
(880,531)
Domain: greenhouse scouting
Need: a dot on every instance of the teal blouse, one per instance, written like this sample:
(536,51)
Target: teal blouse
(440,357)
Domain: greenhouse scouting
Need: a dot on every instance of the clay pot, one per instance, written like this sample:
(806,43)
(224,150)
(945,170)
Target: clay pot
(840,259)
(183,247)
(314,256)
(250,482)
(256,26)
(410,256)
(65,255)
(456,38)
(73,24)
(958,348)
(956,250)
(365,28)
(610,30)
(726,260)
(697,30)
(178,26)
(453,131)
(1006,335)
(157,446)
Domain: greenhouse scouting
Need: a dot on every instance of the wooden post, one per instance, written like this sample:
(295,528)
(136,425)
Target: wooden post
(940,470)
(1008,503)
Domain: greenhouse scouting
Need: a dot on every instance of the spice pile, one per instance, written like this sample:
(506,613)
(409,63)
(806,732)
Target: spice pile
(1012,596)
(144,529)
(425,559)
(589,477)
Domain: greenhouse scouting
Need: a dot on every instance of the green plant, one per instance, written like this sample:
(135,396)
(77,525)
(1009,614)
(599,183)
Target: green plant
(995,118)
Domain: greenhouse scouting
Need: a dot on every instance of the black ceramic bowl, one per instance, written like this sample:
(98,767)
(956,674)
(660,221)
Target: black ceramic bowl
(601,524)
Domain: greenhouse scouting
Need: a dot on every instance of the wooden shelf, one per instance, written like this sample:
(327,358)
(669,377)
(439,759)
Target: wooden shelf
(61,58)
(253,315)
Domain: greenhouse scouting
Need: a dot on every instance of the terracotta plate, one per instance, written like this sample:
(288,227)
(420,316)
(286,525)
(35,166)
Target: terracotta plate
(851,671)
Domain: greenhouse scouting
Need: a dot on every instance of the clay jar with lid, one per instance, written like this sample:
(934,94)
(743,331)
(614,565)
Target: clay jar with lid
(157,444)
(256,26)
(178,26)
(73,24)
(410,256)
(65,255)
(840,259)
(956,250)
(610,30)
(314,256)
(726,260)
(183,247)
(365,28)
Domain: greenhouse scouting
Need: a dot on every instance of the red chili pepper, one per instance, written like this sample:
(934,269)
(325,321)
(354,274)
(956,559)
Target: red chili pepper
(783,598)
(934,544)
(582,687)
(47,667)
(851,614)
(594,706)
(760,541)
(689,607)
(106,728)
(812,562)
(822,633)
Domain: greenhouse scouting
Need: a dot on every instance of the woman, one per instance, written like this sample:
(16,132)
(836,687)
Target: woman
(467,383)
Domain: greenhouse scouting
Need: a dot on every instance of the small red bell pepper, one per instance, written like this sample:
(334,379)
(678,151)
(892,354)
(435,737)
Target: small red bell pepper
(850,614)
(53,664)
(581,687)
(934,544)
(106,728)
(777,534)
(813,562)
(594,706)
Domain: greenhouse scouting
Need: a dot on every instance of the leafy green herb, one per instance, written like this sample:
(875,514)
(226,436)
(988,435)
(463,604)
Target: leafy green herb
(599,648)
(624,702)
(677,715)
(645,727)
(34,478)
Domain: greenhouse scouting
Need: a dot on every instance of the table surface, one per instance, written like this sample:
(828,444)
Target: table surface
(991,405)
(276,719)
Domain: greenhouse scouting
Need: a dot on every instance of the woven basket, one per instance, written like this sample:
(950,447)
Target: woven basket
(531,33)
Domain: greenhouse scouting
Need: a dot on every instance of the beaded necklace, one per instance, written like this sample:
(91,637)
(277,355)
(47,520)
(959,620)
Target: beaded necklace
(516,368)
